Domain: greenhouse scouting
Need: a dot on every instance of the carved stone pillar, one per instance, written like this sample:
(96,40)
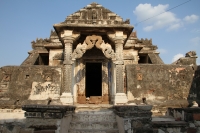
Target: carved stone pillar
(67,76)
(68,38)
(120,96)
(119,65)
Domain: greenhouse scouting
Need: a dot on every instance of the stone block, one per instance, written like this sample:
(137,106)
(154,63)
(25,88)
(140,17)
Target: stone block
(96,99)
(120,99)
(191,130)
(196,116)
(93,125)
(45,131)
(93,117)
(82,99)
(105,99)
(144,130)
(27,130)
(66,99)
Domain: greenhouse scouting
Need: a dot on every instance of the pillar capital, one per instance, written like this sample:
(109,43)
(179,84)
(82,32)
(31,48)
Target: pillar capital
(68,40)
(117,36)
(118,40)
(69,36)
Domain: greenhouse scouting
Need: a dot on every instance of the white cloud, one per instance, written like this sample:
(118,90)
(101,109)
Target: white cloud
(157,17)
(195,40)
(174,27)
(177,56)
(191,19)
(148,28)
(164,20)
(195,31)
(162,51)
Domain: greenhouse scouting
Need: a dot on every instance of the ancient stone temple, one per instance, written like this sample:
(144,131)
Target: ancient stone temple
(93,74)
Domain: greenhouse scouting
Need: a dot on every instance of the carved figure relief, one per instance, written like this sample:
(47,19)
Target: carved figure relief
(89,43)
(94,14)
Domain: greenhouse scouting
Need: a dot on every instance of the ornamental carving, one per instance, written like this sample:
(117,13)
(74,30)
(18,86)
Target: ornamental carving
(107,50)
(191,54)
(95,14)
(89,43)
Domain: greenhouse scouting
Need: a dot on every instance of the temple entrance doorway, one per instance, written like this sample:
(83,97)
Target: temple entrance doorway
(93,79)
(93,86)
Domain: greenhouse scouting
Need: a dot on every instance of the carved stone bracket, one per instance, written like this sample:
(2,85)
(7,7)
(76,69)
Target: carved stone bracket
(79,51)
(89,43)
(93,40)
(107,50)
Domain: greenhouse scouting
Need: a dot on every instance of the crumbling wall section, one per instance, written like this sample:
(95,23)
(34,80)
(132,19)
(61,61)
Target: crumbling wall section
(160,85)
(19,84)
(195,87)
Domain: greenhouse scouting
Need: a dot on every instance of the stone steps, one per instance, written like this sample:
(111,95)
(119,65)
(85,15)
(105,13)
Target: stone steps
(94,131)
(94,122)
(95,118)
(93,125)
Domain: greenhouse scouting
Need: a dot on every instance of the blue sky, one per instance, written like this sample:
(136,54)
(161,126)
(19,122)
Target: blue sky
(175,32)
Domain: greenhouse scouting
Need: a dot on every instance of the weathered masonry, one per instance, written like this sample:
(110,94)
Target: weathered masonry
(94,74)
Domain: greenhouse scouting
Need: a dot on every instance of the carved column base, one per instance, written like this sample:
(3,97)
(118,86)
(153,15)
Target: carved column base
(66,99)
(120,99)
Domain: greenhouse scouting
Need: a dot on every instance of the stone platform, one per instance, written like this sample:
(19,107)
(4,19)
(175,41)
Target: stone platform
(84,118)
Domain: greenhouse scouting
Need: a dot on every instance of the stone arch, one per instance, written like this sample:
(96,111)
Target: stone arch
(89,43)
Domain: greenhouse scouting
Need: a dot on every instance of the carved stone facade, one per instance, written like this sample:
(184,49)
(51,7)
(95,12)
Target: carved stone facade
(95,60)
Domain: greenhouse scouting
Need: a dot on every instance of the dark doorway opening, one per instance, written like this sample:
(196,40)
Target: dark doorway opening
(93,79)
(43,59)
(144,59)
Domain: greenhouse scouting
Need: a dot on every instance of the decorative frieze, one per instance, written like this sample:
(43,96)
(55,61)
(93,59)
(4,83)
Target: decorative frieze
(95,14)
(47,111)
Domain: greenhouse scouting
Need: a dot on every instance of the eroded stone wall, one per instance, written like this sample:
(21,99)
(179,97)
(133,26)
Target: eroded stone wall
(18,84)
(56,57)
(161,85)
(195,87)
